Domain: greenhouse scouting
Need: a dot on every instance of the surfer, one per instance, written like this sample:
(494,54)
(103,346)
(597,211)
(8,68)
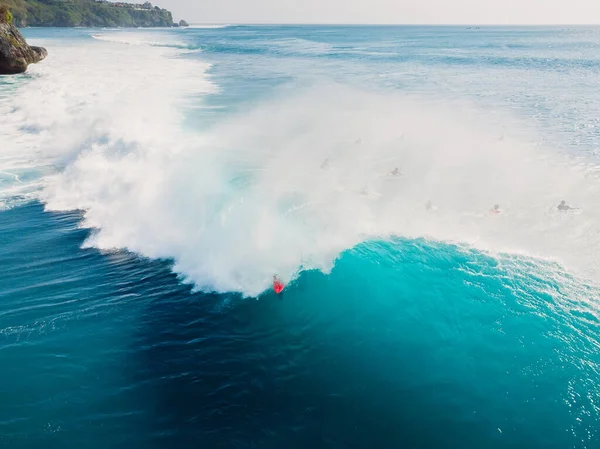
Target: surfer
(496,209)
(564,207)
(395,172)
(325,165)
(278,286)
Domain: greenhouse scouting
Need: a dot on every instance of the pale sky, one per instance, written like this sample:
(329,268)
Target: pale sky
(387,11)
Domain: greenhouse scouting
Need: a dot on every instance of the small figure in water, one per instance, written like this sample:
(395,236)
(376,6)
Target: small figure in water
(395,172)
(278,286)
(496,209)
(429,205)
(564,207)
(325,165)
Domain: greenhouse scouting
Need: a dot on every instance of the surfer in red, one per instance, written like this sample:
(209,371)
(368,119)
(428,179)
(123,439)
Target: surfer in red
(278,286)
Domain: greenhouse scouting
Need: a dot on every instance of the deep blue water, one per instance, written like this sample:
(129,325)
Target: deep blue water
(407,342)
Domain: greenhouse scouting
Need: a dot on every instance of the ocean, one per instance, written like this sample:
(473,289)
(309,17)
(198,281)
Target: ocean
(153,182)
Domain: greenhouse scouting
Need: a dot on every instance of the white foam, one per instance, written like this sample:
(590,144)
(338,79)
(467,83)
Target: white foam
(298,45)
(249,198)
(87,94)
(140,38)
(208,26)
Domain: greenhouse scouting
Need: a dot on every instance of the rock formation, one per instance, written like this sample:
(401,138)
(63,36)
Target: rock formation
(15,54)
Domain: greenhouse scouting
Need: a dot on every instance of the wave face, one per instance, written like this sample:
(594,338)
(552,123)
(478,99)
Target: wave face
(151,187)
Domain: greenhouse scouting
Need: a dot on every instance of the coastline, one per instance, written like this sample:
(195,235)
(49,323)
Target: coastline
(90,14)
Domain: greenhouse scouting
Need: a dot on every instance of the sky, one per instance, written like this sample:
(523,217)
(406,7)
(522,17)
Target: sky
(476,12)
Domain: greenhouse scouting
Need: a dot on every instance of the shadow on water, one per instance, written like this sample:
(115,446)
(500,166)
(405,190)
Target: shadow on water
(232,373)
(228,373)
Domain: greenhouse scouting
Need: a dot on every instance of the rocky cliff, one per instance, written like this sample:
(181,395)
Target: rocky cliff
(87,13)
(15,53)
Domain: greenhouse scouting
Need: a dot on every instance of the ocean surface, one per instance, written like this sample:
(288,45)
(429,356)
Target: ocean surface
(152,183)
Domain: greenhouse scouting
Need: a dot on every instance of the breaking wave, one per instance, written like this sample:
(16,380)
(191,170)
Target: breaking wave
(288,184)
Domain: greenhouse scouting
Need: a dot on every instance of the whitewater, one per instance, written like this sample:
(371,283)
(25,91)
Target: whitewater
(248,196)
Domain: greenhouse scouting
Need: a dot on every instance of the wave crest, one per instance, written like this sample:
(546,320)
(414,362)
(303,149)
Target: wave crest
(291,184)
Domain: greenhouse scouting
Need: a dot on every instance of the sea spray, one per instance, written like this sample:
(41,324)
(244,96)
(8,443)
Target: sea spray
(249,198)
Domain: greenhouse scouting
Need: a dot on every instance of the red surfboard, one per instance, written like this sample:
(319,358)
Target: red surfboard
(278,286)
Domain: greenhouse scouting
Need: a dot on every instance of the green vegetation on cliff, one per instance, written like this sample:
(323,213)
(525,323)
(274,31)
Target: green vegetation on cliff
(86,13)
(5,15)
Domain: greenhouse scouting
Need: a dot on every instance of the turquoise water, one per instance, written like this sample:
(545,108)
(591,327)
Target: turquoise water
(149,193)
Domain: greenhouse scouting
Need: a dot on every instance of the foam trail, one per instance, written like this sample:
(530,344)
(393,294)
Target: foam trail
(209,26)
(140,39)
(252,197)
(60,110)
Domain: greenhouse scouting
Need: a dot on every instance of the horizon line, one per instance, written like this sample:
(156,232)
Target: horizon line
(230,23)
